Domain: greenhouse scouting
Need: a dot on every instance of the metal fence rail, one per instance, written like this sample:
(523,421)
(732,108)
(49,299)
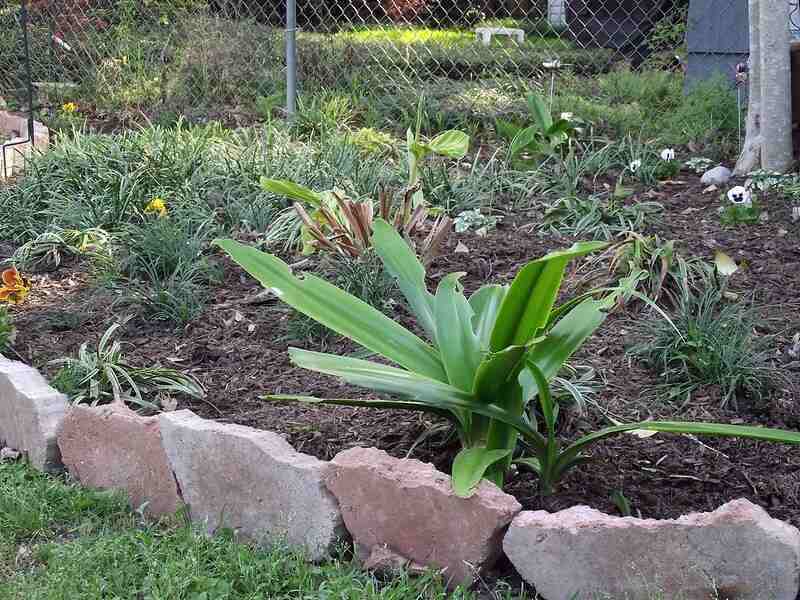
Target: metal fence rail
(202,58)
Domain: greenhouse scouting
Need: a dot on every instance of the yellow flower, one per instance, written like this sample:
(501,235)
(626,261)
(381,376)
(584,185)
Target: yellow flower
(15,287)
(156,206)
(69,107)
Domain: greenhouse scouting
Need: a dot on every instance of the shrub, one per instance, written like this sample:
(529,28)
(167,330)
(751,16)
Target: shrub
(322,114)
(616,119)
(177,298)
(373,142)
(711,345)
(654,90)
(103,181)
(160,246)
(163,269)
(202,173)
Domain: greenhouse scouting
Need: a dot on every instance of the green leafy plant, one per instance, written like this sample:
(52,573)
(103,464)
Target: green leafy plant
(372,141)
(8,332)
(647,265)
(712,345)
(544,137)
(476,221)
(161,268)
(487,356)
(49,249)
(102,375)
(733,215)
(666,170)
(699,164)
(323,114)
(342,225)
(763,180)
(177,298)
(597,216)
(452,144)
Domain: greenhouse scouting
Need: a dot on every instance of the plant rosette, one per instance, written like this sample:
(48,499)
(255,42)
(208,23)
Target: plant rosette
(474,220)
(699,164)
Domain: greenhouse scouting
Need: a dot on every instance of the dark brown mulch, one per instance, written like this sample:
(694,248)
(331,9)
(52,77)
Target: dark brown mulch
(238,350)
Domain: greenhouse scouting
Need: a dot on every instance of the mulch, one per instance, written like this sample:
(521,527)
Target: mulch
(237,348)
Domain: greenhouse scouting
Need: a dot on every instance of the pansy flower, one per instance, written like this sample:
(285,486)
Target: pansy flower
(740,195)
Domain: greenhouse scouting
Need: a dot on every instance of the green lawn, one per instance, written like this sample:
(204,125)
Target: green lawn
(59,541)
(449,37)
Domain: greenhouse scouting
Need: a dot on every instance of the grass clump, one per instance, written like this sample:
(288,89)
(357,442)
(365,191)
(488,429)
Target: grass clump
(712,345)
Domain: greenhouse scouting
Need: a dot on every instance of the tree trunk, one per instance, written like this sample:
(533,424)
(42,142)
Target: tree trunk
(750,158)
(776,74)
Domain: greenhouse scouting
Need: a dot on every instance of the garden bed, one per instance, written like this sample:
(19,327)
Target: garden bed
(237,349)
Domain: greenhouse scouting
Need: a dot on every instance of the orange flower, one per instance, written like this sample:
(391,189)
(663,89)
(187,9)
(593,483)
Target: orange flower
(15,287)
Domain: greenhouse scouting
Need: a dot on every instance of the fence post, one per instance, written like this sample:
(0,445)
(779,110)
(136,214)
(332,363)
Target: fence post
(24,20)
(291,57)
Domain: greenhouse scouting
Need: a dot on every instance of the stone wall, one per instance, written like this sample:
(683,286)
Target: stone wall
(399,513)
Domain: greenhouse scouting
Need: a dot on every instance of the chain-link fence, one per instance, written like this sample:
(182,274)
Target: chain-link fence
(226,58)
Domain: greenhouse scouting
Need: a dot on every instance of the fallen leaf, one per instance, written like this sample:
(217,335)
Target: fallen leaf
(642,433)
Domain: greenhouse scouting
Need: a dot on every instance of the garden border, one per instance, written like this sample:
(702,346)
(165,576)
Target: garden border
(399,512)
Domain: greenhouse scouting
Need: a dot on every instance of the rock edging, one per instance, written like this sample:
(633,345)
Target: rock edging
(30,413)
(112,447)
(409,508)
(400,513)
(735,552)
(251,481)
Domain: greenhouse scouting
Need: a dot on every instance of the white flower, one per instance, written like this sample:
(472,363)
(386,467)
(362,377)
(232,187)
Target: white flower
(668,154)
(634,165)
(567,116)
(740,195)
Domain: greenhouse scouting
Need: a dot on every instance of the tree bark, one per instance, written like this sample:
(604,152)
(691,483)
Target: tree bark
(776,97)
(750,158)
